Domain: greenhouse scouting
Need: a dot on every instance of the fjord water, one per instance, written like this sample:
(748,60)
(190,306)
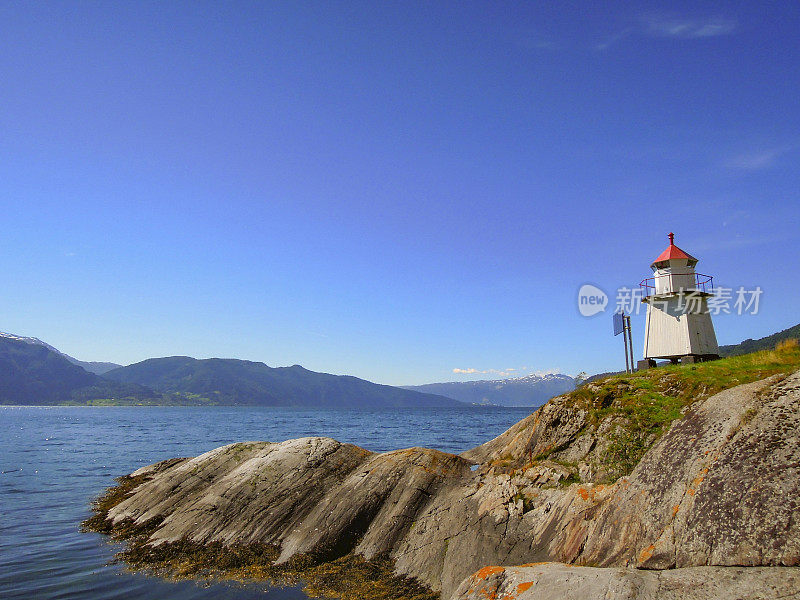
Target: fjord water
(55,460)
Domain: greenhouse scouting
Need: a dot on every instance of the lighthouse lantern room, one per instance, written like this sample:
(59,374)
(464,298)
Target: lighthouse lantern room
(678,325)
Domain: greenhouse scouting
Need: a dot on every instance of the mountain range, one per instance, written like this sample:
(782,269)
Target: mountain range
(34,373)
(230,381)
(530,390)
(98,368)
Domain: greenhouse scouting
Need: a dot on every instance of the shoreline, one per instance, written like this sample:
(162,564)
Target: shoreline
(350,577)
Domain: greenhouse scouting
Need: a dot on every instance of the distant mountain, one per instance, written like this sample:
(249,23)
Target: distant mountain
(92,366)
(33,374)
(765,343)
(230,381)
(531,390)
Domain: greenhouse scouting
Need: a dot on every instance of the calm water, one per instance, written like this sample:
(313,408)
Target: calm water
(55,460)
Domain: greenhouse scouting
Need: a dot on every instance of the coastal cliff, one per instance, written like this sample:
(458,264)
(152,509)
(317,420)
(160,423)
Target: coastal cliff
(695,488)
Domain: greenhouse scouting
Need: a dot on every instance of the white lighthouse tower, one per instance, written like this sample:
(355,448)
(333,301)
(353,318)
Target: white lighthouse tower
(678,323)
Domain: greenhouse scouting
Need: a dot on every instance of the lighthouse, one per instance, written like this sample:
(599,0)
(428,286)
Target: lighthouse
(678,325)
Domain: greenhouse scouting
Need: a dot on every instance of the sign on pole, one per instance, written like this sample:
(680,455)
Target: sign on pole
(618,323)
(622,325)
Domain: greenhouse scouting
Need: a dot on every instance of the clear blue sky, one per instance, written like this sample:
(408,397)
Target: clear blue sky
(389,190)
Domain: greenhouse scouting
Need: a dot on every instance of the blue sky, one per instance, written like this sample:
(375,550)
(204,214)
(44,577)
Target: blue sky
(389,190)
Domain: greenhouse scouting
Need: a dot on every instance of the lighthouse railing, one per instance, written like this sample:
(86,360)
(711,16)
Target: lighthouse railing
(702,283)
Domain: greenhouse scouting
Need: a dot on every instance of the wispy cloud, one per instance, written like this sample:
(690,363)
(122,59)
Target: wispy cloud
(758,159)
(533,41)
(677,27)
(670,26)
(735,217)
(536,44)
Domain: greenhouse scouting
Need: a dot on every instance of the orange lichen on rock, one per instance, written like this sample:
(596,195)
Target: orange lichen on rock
(487,572)
(590,493)
(647,553)
(699,479)
(524,587)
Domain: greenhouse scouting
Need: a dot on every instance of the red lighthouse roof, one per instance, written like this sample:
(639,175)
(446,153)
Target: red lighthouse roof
(673,251)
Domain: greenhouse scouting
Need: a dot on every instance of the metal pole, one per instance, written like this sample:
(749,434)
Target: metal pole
(625,343)
(630,341)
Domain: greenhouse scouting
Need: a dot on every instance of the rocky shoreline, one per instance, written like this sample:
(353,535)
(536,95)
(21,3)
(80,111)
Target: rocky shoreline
(714,499)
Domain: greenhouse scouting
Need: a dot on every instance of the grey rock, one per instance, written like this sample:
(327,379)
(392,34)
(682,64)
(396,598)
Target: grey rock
(557,581)
(719,489)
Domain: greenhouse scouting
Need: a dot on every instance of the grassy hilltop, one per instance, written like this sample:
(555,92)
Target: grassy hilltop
(642,405)
(621,416)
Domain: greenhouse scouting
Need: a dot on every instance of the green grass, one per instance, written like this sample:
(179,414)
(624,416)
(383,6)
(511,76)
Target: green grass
(641,406)
(569,480)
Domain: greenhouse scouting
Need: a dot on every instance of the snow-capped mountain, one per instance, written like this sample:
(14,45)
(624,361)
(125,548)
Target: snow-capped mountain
(97,368)
(19,338)
(530,390)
